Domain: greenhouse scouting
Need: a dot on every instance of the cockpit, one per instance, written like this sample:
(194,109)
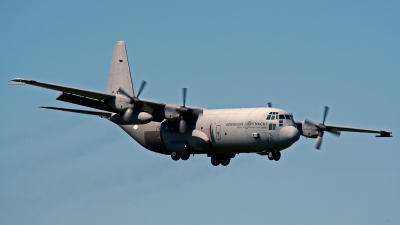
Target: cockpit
(283,118)
(275,116)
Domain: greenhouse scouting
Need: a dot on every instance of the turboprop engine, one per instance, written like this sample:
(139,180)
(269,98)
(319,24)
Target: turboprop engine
(307,130)
(316,130)
(177,112)
(130,107)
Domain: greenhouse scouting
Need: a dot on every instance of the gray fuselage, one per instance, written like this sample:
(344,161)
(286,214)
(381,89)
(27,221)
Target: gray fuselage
(220,131)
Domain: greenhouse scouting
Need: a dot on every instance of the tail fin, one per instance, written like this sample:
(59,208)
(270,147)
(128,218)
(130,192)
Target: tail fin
(120,75)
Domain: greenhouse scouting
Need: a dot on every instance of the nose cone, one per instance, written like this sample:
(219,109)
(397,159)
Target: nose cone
(288,135)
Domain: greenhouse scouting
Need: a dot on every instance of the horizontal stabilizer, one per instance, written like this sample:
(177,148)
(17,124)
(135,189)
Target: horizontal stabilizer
(88,112)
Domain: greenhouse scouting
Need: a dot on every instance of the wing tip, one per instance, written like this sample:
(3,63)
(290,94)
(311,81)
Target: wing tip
(385,134)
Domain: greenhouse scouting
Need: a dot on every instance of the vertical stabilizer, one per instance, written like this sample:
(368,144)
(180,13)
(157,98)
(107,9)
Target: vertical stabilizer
(120,75)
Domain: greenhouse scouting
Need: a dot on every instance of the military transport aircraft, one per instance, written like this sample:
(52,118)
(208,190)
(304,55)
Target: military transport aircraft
(180,131)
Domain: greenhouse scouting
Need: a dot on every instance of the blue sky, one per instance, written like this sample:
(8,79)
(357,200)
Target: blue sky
(62,168)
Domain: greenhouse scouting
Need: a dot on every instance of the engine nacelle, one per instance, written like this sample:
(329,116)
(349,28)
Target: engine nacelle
(120,102)
(131,117)
(307,130)
(170,112)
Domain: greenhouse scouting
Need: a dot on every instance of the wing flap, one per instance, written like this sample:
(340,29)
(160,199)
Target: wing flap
(88,102)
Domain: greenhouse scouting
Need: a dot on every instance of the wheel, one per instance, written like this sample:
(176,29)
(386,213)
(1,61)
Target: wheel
(270,155)
(215,161)
(277,155)
(175,155)
(185,155)
(225,161)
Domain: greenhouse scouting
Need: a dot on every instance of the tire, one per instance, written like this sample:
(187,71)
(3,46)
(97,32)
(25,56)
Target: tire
(225,161)
(277,156)
(185,155)
(215,161)
(271,156)
(175,156)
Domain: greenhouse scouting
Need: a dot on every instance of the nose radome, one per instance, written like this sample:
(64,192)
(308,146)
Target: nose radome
(289,135)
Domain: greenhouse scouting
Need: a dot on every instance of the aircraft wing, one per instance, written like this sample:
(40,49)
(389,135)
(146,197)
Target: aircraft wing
(66,89)
(337,128)
(95,99)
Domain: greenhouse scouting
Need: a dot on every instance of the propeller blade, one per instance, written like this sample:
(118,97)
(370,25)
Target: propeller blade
(123,92)
(184,93)
(127,115)
(319,142)
(326,110)
(182,126)
(142,86)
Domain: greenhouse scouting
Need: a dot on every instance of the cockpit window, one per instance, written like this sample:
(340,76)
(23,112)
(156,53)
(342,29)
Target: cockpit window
(287,117)
(273,115)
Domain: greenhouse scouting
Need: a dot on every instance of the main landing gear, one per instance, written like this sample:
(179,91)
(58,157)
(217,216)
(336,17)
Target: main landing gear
(223,159)
(180,155)
(274,155)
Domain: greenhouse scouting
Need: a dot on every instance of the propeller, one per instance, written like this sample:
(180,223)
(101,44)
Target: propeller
(321,128)
(182,111)
(134,100)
